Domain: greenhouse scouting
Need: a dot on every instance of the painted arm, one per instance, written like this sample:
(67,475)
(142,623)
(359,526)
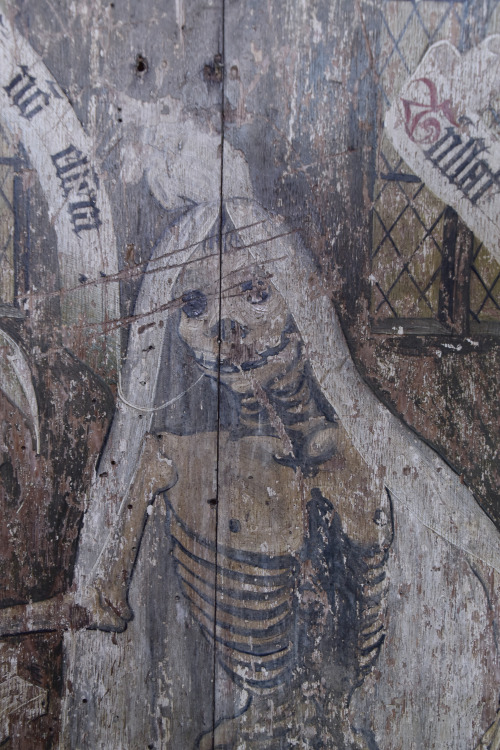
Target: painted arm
(108,588)
(104,604)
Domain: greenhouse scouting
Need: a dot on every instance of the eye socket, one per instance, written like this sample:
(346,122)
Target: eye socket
(195,303)
(258,291)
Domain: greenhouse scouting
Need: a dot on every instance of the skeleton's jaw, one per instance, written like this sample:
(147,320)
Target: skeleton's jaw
(227,367)
(241,375)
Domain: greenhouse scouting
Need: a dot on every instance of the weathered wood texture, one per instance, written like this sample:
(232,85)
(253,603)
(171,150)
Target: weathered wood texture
(224,526)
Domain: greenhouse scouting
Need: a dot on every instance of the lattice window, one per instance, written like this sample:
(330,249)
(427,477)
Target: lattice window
(13,212)
(410,247)
(407,244)
(484,287)
(7,223)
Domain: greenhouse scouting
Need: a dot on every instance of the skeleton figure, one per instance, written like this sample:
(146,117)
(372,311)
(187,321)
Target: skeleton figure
(288,437)
(302,532)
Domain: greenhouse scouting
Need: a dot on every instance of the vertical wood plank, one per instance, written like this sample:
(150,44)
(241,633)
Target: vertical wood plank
(163,100)
(324,122)
(165,692)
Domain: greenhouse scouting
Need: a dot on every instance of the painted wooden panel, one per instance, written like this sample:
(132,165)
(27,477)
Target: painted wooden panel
(248,375)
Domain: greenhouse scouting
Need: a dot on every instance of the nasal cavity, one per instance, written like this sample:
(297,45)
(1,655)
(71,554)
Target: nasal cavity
(229,330)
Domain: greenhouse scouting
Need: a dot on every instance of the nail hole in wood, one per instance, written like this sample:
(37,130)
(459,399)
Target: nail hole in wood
(141,65)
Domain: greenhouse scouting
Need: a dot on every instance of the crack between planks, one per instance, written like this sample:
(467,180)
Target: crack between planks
(219,384)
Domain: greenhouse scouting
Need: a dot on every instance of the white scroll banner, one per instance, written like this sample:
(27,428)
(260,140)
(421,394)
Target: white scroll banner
(38,114)
(445,123)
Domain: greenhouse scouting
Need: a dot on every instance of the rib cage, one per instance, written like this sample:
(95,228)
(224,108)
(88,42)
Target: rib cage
(257,596)
(372,610)
(255,606)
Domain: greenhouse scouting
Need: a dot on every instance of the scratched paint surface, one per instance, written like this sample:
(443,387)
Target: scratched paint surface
(216,534)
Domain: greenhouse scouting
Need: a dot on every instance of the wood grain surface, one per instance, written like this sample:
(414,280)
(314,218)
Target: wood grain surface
(249,356)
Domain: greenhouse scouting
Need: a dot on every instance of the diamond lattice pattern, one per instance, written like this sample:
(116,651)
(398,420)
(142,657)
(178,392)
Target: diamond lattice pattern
(484,286)
(6,220)
(407,217)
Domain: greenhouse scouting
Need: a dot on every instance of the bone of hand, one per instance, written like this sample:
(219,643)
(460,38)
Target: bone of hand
(491,739)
